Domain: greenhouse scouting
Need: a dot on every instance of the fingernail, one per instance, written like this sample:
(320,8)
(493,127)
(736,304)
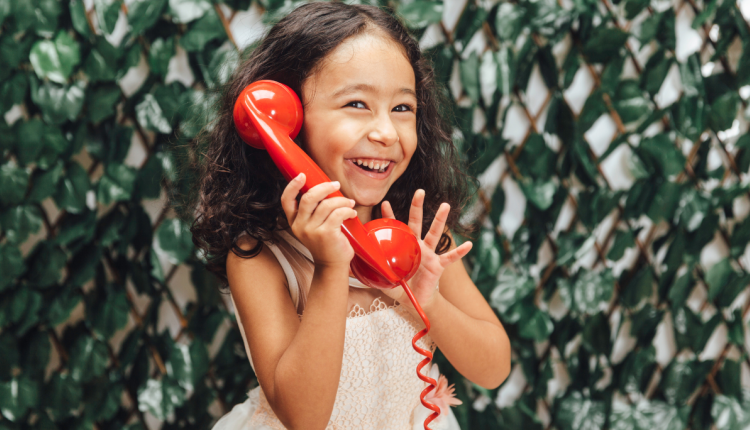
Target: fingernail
(300,177)
(352,201)
(336,184)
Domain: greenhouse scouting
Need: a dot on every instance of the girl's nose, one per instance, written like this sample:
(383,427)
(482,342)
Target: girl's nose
(383,130)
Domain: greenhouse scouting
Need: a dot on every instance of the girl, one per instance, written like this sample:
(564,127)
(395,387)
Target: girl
(328,352)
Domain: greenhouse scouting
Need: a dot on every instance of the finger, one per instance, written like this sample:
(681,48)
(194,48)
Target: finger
(312,198)
(326,207)
(456,254)
(337,217)
(415,212)
(438,224)
(386,210)
(289,197)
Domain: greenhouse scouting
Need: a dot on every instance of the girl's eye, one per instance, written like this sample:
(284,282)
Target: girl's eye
(406,108)
(356,102)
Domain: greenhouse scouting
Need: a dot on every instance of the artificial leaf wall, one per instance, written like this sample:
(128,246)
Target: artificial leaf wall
(610,137)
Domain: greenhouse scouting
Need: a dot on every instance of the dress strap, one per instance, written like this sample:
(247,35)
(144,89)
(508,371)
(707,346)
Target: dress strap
(291,279)
(295,243)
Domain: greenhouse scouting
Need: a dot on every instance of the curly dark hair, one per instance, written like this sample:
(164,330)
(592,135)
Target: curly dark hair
(239,187)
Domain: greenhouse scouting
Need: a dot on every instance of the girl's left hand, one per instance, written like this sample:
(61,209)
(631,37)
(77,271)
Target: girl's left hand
(431,266)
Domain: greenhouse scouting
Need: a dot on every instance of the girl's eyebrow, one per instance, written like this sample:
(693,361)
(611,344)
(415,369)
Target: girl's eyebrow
(367,88)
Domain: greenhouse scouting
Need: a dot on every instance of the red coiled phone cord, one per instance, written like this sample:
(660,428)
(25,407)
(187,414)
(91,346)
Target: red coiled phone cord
(435,410)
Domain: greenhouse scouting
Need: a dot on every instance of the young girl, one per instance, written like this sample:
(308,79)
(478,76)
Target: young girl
(328,352)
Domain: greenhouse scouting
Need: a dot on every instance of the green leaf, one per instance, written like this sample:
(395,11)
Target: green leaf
(58,103)
(537,325)
(151,116)
(143,14)
(5,10)
(88,358)
(77,227)
(160,397)
(623,240)
(184,11)
(661,149)
(148,183)
(729,377)
(102,400)
(648,415)
(109,313)
(173,240)
(644,324)
(11,265)
(589,293)
(107,12)
(729,413)
(421,13)
(45,182)
(636,370)
(539,193)
(78,17)
(655,71)
(29,141)
(56,59)
(497,205)
(116,184)
(13,184)
(103,102)
(47,262)
(470,76)
(718,277)
(17,396)
(83,265)
(72,189)
(13,91)
(511,288)
(604,44)
(723,111)
(509,21)
(20,221)
(681,378)
(62,305)
(62,395)
(630,103)
(188,364)
(596,334)
(736,329)
(576,412)
(639,288)
(202,31)
(160,54)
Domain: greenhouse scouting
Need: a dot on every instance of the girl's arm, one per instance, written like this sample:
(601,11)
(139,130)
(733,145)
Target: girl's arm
(466,329)
(298,363)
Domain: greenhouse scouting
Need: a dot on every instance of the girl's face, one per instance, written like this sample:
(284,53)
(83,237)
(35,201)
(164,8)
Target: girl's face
(361,108)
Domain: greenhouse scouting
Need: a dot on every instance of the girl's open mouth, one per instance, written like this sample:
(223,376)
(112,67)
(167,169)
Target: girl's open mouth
(378,171)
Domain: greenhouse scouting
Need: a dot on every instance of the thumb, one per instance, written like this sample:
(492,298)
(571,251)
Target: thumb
(386,210)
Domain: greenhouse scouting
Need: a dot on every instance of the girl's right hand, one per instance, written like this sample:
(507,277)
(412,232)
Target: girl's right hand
(316,221)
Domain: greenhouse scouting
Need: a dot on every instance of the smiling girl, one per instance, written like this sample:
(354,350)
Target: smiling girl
(328,352)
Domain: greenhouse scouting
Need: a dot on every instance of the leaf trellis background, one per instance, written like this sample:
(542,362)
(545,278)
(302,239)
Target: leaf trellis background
(610,138)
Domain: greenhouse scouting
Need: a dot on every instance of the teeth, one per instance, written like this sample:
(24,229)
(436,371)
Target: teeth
(380,166)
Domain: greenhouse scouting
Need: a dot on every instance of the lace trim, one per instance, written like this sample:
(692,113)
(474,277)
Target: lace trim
(377,305)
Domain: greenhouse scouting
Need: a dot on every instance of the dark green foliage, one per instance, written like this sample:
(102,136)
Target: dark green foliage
(88,259)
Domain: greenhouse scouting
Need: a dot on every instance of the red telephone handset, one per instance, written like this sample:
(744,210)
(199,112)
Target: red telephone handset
(268,115)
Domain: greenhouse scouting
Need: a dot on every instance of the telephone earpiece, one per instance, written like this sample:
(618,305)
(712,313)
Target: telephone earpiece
(268,115)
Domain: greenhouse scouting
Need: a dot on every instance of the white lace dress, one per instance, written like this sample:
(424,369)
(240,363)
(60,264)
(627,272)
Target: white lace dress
(379,388)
